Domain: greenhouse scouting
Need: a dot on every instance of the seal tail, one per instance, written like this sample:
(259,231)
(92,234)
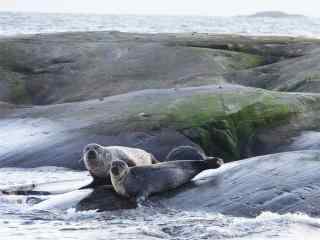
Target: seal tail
(213,162)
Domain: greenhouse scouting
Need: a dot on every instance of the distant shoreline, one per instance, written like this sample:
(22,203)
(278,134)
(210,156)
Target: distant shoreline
(256,14)
(276,14)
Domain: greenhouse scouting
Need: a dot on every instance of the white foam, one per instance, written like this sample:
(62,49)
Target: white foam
(58,217)
(41,177)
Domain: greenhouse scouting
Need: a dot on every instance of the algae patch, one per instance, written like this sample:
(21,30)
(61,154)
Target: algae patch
(18,92)
(225,125)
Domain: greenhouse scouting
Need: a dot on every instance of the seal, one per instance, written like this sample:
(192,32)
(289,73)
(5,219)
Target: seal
(97,159)
(186,152)
(141,181)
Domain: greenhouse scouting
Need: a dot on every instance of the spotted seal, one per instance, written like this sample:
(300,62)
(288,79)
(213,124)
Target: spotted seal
(141,181)
(97,160)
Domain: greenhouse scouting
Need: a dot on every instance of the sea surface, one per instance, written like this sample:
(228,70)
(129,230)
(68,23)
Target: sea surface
(18,219)
(28,23)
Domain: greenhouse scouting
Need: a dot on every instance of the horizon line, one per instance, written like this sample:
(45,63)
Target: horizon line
(148,14)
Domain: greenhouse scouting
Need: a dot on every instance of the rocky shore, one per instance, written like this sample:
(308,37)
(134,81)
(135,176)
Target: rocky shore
(233,96)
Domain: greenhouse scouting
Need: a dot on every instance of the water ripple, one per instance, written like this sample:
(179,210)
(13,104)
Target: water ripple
(30,23)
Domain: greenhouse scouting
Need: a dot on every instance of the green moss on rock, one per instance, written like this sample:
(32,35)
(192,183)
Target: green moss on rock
(224,121)
(18,92)
(223,124)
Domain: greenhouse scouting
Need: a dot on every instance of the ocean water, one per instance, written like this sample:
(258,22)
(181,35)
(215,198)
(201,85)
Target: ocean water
(19,221)
(27,23)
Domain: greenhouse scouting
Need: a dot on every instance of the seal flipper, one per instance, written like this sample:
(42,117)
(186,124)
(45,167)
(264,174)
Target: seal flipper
(213,162)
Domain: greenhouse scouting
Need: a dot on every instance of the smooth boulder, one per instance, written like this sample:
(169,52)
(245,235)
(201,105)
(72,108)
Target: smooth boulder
(65,67)
(282,183)
(227,121)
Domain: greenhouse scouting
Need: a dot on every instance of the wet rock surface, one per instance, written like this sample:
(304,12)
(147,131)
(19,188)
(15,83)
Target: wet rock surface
(282,183)
(59,92)
(227,121)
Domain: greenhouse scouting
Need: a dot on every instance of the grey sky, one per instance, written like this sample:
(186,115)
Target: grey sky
(171,7)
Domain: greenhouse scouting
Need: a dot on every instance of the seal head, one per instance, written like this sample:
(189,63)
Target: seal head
(97,160)
(119,169)
(119,172)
